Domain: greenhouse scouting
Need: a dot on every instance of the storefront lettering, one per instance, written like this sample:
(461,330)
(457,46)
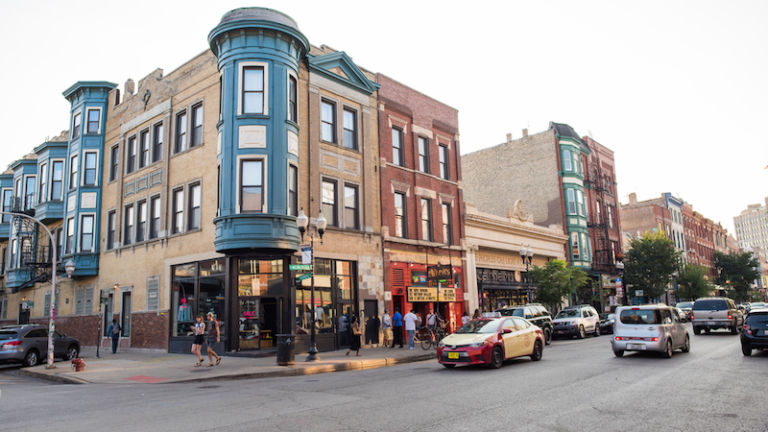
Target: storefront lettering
(496,276)
(418,294)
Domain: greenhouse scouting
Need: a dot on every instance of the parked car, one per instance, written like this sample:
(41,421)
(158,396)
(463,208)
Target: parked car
(681,314)
(606,322)
(577,321)
(535,313)
(649,328)
(756,305)
(687,307)
(490,341)
(28,344)
(755,333)
(711,313)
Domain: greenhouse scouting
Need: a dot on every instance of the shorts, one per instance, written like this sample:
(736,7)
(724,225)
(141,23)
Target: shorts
(211,342)
(388,333)
(198,340)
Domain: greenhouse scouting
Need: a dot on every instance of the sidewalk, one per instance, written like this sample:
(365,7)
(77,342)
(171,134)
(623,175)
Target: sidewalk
(150,368)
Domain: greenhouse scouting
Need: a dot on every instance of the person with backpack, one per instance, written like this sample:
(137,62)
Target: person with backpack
(114,332)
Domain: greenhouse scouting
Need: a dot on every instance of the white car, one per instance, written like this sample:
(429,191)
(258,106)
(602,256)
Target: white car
(654,327)
(576,321)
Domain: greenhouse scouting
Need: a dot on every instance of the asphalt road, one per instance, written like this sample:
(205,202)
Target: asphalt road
(579,385)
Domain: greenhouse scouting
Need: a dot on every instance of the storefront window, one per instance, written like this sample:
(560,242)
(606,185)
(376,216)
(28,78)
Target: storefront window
(335,291)
(198,288)
(184,305)
(259,285)
(211,280)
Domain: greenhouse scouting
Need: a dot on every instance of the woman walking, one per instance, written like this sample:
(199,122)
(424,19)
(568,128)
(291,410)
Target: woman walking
(214,336)
(199,331)
(354,340)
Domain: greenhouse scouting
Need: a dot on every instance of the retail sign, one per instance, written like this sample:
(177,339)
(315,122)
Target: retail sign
(419,294)
(27,304)
(439,273)
(306,254)
(306,267)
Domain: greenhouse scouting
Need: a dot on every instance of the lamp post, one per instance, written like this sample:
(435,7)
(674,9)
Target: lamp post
(320,223)
(526,254)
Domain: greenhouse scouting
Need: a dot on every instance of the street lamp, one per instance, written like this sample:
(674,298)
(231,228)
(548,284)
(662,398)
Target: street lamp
(526,254)
(320,223)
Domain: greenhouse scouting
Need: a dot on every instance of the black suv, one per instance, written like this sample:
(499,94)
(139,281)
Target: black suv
(535,313)
(755,333)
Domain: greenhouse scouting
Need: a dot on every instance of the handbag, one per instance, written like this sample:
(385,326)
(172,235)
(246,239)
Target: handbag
(356,330)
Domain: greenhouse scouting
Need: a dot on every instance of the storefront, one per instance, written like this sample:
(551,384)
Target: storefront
(412,289)
(500,288)
(196,289)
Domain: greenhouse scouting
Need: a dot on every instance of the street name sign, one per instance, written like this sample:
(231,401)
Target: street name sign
(300,267)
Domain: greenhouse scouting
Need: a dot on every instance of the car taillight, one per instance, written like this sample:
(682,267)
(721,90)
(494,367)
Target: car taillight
(730,316)
(654,339)
(618,338)
(10,344)
(691,315)
(747,329)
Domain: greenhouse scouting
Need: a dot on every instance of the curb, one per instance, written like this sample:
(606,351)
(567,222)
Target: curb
(55,377)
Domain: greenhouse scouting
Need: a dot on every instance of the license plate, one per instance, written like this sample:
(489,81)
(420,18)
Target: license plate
(636,346)
(453,355)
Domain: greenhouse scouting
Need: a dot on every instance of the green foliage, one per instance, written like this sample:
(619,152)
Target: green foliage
(737,271)
(649,264)
(692,282)
(555,280)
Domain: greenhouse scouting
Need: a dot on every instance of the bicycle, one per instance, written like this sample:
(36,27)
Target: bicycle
(429,338)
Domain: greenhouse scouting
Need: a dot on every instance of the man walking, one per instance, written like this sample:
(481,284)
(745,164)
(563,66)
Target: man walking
(114,332)
(397,328)
(410,326)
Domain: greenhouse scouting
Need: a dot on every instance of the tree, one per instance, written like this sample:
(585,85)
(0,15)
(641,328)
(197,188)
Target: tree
(693,282)
(556,280)
(649,264)
(737,271)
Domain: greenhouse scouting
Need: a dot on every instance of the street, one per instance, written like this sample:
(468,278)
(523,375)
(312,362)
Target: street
(579,385)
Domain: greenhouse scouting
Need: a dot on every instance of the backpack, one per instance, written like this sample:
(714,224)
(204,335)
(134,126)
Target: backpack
(116,328)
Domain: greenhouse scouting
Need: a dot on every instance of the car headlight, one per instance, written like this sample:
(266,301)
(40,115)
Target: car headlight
(440,344)
(477,344)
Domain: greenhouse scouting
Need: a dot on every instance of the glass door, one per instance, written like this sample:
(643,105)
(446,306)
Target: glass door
(249,323)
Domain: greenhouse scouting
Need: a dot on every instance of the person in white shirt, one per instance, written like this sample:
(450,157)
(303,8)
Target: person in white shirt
(410,320)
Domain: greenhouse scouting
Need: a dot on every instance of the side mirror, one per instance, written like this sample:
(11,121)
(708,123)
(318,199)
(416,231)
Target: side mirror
(506,330)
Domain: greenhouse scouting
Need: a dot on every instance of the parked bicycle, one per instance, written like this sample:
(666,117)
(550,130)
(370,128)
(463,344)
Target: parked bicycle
(429,338)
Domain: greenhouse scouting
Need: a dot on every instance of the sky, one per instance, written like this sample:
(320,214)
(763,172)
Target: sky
(677,89)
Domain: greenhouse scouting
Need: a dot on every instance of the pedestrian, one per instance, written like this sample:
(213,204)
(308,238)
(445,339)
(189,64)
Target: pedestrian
(214,336)
(386,325)
(114,331)
(464,319)
(431,321)
(354,336)
(198,330)
(397,328)
(410,326)
(476,315)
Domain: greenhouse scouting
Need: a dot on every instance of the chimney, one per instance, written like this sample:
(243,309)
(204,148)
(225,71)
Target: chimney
(633,198)
(130,87)
(525,132)
(509,138)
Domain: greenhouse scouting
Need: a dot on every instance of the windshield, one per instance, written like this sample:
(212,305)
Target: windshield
(710,305)
(7,334)
(568,313)
(511,312)
(641,316)
(480,326)
(685,305)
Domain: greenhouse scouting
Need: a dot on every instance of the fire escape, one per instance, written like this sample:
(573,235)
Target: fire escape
(34,260)
(602,256)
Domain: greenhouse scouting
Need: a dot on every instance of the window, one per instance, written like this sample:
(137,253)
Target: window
(580,203)
(575,245)
(194,207)
(177,223)
(153,289)
(445,171)
(329,202)
(29,192)
(566,159)
(59,243)
(141,221)
(350,128)
(143,148)
(447,224)
(74,165)
(570,201)
(93,121)
(154,220)
(76,122)
(111,227)
(90,169)
(351,219)
(70,235)
(426,219)
(252,185)
(113,157)
(598,212)
(610,216)
(181,132)
(328,121)
(293,190)
(128,220)
(130,153)
(125,315)
(19,191)
(14,243)
(400,216)
(86,233)
(293,114)
(397,147)
(423,155)
(253,90)
(83,301)
(43,187)
(7,204)
(197,126)
(157,142)
(585,247)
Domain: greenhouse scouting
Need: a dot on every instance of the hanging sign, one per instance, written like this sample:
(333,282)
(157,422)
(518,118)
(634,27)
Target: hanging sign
(439,273)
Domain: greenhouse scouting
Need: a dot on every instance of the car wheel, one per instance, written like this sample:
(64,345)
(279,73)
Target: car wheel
(547,336)
(696,331)
(72,353)
(497,358)
(581,334)
(449,366)
(746,350)
(668,352)
(31,359)
(687,344)
(537,351)
(619,353)
(597,330)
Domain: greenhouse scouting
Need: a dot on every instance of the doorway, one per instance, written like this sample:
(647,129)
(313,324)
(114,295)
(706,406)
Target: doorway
(23,314)
(258,317)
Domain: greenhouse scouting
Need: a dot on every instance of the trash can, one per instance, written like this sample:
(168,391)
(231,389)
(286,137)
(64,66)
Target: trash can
(285,349)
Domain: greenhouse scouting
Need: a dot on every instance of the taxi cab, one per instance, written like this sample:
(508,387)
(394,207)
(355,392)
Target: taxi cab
(491,340)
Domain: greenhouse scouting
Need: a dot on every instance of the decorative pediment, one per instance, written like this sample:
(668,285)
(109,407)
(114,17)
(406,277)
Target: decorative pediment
(339,67)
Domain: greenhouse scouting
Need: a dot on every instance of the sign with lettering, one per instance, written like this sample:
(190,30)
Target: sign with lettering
(439,273)
(420,294)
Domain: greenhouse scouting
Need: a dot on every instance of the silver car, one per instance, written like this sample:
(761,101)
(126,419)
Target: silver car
(28,344)
(649,328)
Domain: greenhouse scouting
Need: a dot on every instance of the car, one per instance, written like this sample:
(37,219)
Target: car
(535,313)
(649,328)
(577,321)
(490,341)
(28,345)
(755,333)
(686,306)
(681,314)
(606,322)
(711,313)
(758,305)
